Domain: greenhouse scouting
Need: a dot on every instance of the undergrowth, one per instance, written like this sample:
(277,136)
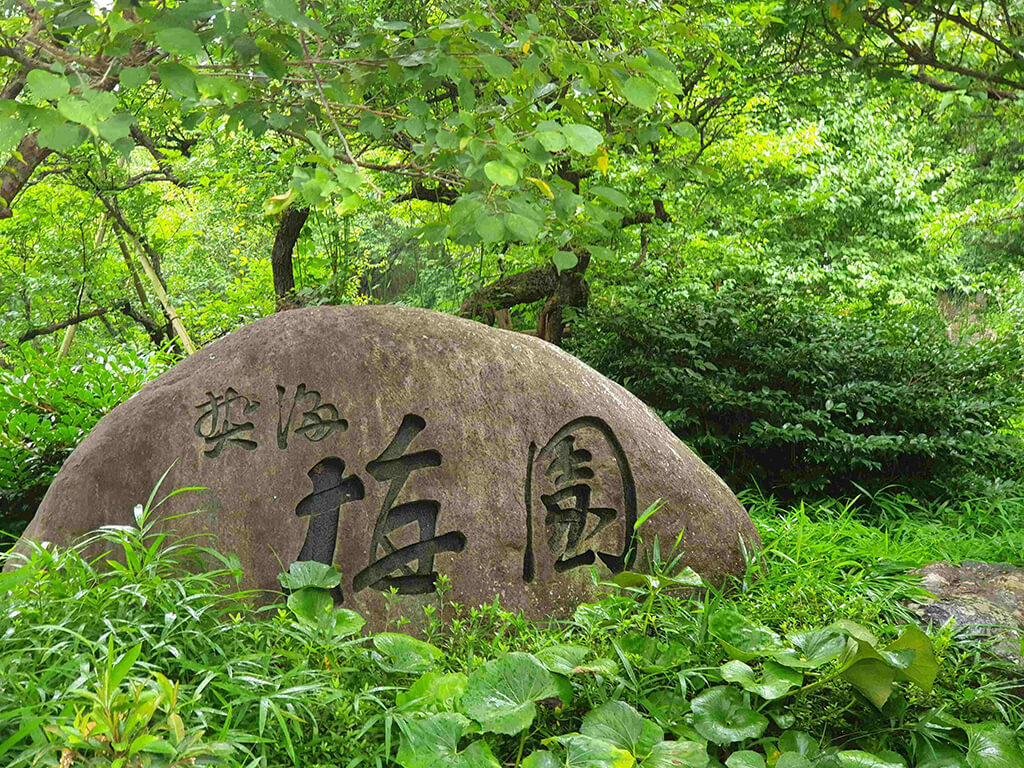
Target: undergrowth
(151,655)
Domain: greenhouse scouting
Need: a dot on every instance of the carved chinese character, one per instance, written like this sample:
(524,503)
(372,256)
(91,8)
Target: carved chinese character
(570,519)
(391,566)
(220,421)
(318,419)
(331,489)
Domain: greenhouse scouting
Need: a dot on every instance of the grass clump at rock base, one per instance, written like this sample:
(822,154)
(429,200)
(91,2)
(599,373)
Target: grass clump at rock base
(150,656)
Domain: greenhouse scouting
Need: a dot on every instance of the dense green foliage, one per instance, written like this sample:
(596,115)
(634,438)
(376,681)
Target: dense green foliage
(781,392)
(156,665)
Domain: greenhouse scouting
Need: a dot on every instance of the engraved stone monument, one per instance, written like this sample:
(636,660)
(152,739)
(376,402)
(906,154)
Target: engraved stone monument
(400,444)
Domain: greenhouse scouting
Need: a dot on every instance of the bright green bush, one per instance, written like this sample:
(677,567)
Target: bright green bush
(48,408)
(787,393)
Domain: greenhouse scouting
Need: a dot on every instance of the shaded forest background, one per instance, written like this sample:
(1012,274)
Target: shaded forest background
(794,229)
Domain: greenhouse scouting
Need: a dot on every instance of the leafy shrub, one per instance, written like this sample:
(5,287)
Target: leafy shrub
(49,408)
(791,394)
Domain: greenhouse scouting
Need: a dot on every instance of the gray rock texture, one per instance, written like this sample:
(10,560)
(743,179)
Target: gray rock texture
(983,597)
(400,444)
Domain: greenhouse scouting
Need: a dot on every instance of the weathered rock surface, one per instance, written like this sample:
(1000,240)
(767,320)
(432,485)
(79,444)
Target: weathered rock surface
(401,444)
(984,597)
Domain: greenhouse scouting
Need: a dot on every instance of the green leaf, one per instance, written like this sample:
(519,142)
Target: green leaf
(685,129)
(542,758)
(501,174)
(855,758)
(618,723)
(178,79)
(640,92)
(115,128)
(434,691)
(564,260)
(121,668)
(816,647)
(720,715)
(490,228)
(586,752)
(993,745)
(552,141)
(522,228)
(133,77)
(78,111)
(742,638)
(60,136)
(501,694)
(798,741)
(347,622)
(311,604)
(613,196)
(677,754)
(406,654)
(433,742)
(777,682)
(925,667)
(289,12)
(745,759)
(179,40)
(310,573)
(873,678)
(47,86)
(562,659)
(582,138)
(497,67)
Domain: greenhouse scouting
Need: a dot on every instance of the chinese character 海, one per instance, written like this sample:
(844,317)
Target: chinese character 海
(568,508)
(390,566)
(220,421)
(318,419)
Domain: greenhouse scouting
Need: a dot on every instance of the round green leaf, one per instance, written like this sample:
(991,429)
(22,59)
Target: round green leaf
(993,745)
(133,77)
(855,758)
(562,659)
(500,173)
(46,85)
(720,715)
(501,694)
(179,80)
(677,754)
(640,92)
(793,760)
(777,682)
(309,573)
(433,742)
(586,752)
(618,723)
(582,138)
(434,691)
(799,742)
(60,136)
(311,604)
(564,260)
(745,759)
(405,654)
(179,40)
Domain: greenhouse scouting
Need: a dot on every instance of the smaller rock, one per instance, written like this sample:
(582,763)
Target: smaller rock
(985,597)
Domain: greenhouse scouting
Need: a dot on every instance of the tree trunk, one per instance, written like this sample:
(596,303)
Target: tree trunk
(288,231)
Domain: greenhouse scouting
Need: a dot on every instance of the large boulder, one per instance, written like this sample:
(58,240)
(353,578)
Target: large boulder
(400,444)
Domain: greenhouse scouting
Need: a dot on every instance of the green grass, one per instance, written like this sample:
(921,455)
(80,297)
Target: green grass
(265,687)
